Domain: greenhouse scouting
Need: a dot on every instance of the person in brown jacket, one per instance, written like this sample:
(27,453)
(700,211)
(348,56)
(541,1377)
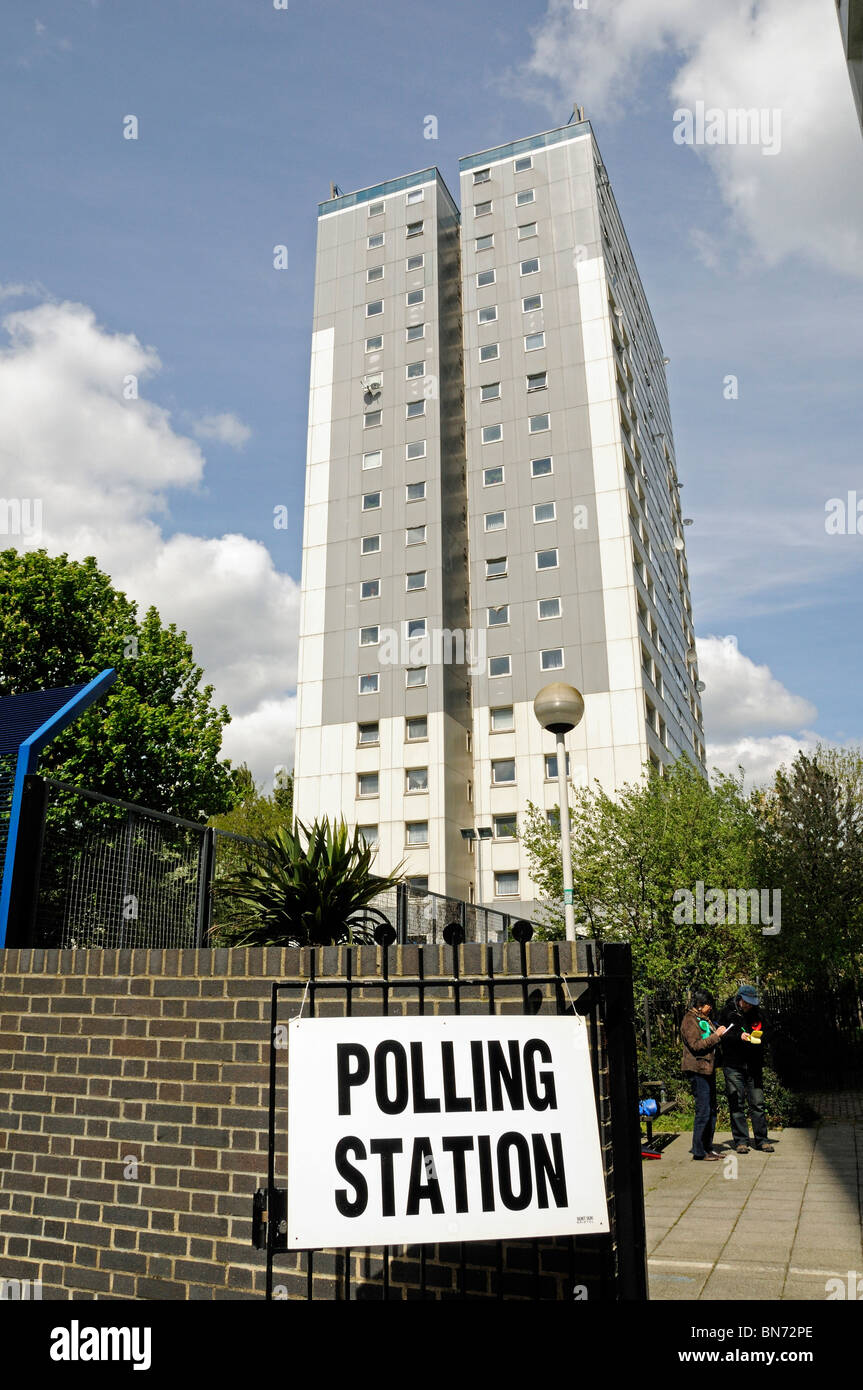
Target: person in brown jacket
(700,1040)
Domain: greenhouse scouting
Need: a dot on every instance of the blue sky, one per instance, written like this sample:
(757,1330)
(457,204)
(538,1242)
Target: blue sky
(752,265)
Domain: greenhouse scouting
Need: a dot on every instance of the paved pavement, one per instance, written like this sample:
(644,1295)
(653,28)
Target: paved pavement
(758,1226)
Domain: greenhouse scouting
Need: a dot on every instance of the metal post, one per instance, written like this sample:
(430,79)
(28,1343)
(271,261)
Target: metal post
(568,908)
(24,898)
(630,1234)
(204,905)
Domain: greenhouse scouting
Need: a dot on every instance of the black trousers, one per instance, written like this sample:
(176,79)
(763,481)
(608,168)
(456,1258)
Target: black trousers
(704,1090)
(741,1087)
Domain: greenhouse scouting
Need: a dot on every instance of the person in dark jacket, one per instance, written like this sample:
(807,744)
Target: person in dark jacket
(700,1041)
(742,1060)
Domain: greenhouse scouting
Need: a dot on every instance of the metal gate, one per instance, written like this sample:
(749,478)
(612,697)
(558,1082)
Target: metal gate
(595,982)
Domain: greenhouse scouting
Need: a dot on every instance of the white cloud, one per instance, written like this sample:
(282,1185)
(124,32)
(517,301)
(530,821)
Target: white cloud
(21,291)
(742,698)
(225,429)
(104,467)
(750,718)
(783,55)
(264,739)
(760,757)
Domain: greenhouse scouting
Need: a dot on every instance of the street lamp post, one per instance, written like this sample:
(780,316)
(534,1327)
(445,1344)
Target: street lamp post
(558,709)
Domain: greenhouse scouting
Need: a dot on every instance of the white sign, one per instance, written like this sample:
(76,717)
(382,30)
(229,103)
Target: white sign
(411,1130)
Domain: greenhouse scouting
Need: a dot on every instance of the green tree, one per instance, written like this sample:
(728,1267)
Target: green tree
(811,846)
(291,893)
(633,852)
(155,736)
(256,812)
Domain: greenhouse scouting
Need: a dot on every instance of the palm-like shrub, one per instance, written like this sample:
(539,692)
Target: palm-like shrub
(294,894)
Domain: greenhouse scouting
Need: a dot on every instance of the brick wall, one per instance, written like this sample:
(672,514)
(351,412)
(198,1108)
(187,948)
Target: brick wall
(133,1126)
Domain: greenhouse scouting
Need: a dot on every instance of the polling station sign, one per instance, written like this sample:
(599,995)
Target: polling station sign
(412,1130)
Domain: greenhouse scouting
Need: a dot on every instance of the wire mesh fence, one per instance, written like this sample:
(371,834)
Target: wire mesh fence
(114,874)
(7,780)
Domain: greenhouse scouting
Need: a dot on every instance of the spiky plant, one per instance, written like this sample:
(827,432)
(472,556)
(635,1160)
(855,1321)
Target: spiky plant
(292,893)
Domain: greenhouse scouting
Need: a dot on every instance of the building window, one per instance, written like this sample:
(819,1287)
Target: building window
(415,195)
(415,229)
(419,885)
(417,832)
(526,195)
(551,766)
(415,297)
(415,535)
(375,307)
(374,344)
(529,267)
(485,277)
(369,684)
(523,163)
(537,423)
(481,209)
(506,884)
(500,666)
(415,627)
(370,588)
(375,209)
(537,381)
(371,419)
(495,521)
(530,303)
(549,607)
(543,511)
(502,719)
(534,341)
(416,779)
(414,409)
(495,569)
(490,392)
(375,272)
(369,835)
(372,459)
(485,243)
(503,771)
(498,617)
(527,229)
(414,369)
(488,314)
(481,175)
(546,559)
(415,492)
(417,728)
(367,784)
(371,501)
(492,434)
(551,659)
(370,636)
(540,468)
(416,579)
(375,241)
(415,262)
(416,675)
(371,545)
(414,332)
(368,733)
(416,449)
(492,476)
(505,827)
(490,352)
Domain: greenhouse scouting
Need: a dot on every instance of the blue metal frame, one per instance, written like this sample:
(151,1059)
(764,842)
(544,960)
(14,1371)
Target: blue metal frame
(28,757)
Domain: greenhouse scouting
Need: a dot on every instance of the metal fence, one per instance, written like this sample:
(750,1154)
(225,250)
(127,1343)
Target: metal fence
(92,870)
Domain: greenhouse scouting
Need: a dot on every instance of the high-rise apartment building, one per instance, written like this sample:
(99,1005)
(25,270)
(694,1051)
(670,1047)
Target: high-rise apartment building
(492,504)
